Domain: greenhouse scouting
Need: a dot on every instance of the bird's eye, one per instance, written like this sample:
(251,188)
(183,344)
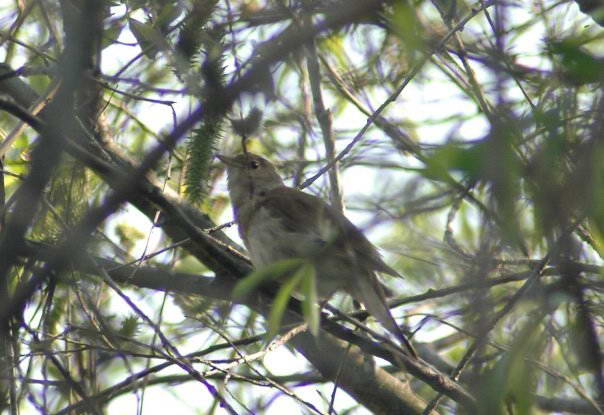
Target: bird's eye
(254,164)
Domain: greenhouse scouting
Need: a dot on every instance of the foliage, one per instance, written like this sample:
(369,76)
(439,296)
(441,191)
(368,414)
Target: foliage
(471,153)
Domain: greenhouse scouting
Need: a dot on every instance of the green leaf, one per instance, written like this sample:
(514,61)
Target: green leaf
(149,38)
(130,326)
(511,381)
(167,14)
(136,4)
(452,157)
(408,26)
(579,66)
(309,289)
(268,273)
(281,301)
(128,236)
(111,34)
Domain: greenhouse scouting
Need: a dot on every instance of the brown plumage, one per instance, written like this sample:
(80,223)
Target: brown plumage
(277,222)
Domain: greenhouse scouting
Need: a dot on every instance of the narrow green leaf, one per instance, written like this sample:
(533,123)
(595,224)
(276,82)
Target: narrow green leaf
(508,384)
(281,301)
(309,289)
(580,67)
(451,157)
(149,38)
(268,273)
(167,14)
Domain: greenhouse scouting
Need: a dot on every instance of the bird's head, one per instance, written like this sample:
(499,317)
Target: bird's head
(249,175)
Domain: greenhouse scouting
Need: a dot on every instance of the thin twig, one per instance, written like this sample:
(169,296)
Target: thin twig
(393,97)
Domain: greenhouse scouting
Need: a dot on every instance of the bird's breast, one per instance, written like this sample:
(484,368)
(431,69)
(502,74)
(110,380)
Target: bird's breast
(266,239)
(269,240)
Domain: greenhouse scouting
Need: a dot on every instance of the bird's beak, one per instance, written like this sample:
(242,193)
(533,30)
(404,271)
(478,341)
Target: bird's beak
(229,161)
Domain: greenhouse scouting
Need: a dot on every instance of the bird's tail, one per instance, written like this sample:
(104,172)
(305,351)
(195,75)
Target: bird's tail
(370,293)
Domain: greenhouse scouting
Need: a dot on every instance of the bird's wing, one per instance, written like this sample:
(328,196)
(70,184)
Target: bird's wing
(362,247)
(326,225)
(298,212)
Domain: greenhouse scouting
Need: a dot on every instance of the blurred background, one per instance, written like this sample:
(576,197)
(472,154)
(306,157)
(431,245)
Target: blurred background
(469,145)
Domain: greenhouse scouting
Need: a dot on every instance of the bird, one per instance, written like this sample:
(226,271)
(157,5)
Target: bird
(277,222)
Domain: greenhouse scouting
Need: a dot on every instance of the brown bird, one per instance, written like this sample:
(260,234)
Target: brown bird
(277,222)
